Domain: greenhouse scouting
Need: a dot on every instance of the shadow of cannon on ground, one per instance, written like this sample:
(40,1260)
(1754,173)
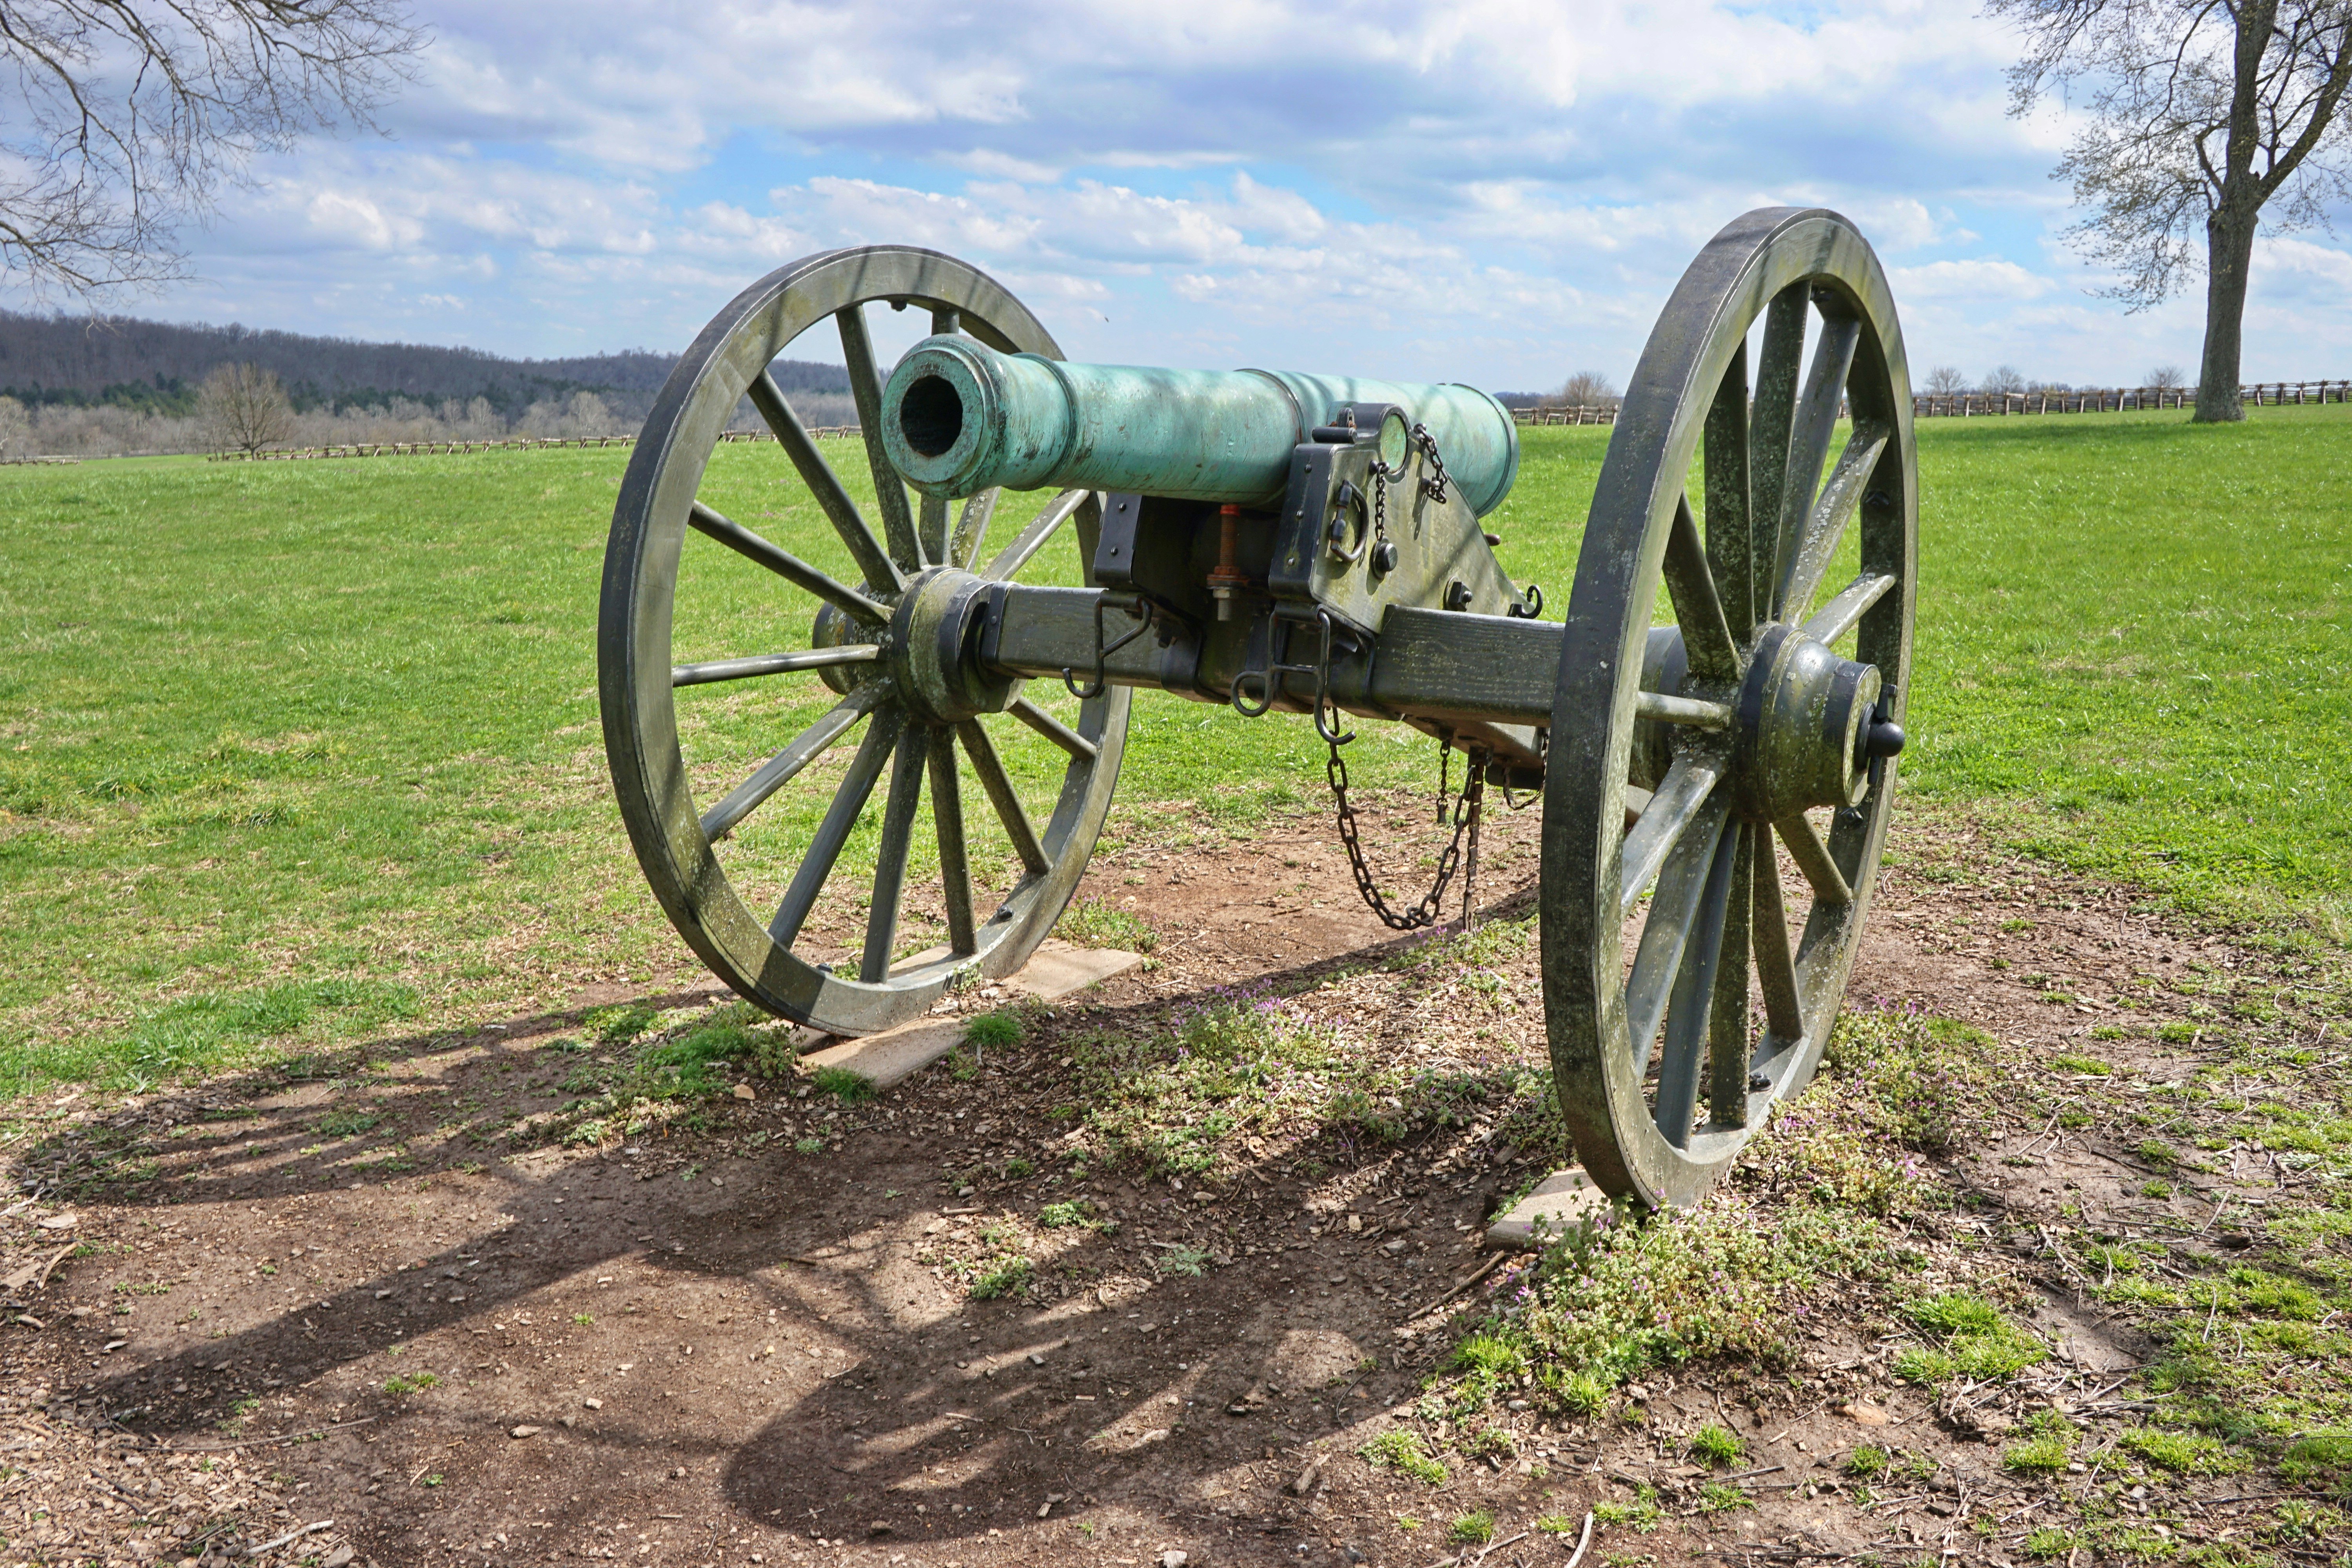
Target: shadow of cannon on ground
(800,1334)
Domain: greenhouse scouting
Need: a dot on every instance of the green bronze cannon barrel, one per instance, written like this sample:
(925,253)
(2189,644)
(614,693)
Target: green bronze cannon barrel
(959,418)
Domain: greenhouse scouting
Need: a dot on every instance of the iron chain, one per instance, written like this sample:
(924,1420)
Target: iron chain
(1436,487)
(1381,474)
(1467,808)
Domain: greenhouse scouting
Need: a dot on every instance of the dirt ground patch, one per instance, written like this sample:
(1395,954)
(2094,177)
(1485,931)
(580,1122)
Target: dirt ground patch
(962,1326)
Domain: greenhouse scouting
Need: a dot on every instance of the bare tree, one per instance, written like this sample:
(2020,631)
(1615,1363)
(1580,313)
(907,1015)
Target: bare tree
(15,425)
(2166,378)
(2203,111)
(243,407)
(1945,380)
(2002,379)
(131,115)
(1586,389)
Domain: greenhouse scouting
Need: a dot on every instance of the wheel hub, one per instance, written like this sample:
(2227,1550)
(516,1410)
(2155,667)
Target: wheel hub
(932,648)
(1805,725)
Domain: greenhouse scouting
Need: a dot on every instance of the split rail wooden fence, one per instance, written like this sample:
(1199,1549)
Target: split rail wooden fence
(1986,405)
(450,448)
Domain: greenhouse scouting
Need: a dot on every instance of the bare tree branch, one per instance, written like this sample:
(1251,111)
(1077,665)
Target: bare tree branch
(129,117)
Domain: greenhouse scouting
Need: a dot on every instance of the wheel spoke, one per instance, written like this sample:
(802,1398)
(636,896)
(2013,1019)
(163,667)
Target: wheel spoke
(1690,581)
(1727,1029)
(1691,711)
(990,771)
(955,862)
(890,854)
(777,771)
(1837,617)
(865,388)
(773,664)
(1690,1013)
(1825,529)
(972,527)
(1053,729)
(1771,426)
(1680,797)
(787,565)
(832,496)
(840,819)
(931,530)
(1813,857)
(1730,491)
(1810,430)
(1775,968)
(1668,932)
(1032,539)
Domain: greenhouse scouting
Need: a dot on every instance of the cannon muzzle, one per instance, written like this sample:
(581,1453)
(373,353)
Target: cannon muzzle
(959,418)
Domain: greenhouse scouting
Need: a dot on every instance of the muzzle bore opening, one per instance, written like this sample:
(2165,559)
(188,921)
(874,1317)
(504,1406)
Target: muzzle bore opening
(931,415)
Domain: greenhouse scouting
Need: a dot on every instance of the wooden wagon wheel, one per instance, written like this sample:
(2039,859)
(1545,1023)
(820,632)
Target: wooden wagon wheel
(866,611)
(1754,730)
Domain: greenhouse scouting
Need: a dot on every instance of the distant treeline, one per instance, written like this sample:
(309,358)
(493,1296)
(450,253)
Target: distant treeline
(154,367)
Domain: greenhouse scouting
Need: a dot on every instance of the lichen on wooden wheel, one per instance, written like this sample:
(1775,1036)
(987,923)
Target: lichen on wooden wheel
(865,655)
(1758,764)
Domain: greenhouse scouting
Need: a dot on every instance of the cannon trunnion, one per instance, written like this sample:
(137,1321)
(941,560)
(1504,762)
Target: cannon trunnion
(1713,721)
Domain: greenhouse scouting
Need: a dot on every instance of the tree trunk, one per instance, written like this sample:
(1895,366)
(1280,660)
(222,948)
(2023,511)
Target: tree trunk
(2229,250)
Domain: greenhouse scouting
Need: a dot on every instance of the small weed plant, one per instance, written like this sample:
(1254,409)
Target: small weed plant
(1717,1446)
(1093,923)
(1402,1450)
(1974,1339)
(994,1031)
(1475,1529)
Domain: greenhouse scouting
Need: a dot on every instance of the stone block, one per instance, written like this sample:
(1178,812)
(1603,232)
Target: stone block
(1561,1201)
(1055,971)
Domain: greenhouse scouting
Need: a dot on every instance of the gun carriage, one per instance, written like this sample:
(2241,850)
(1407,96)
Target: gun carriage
(1712,724)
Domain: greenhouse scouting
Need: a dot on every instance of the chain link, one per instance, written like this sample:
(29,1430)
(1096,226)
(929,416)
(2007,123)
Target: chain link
(1434,488)
(1467,808)
(1382,474)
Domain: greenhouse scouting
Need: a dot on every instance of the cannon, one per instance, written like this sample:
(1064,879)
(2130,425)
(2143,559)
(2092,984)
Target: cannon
(1713,722)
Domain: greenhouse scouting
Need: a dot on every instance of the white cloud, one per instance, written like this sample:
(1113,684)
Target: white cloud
(1987,280)
(1485,190)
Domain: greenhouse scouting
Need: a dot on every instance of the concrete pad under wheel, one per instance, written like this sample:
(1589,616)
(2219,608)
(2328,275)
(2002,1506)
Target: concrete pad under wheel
(1560,1202)
(1055,971)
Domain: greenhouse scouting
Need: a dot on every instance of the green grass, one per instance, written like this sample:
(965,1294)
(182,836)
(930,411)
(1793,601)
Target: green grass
(1406,1453)
(1475,1529)
(1718,1445)
(1090,922)
(1867,1463)
(999,1029)
(843,1084)
(1972,1337)
(2133,641)
(2183,1452)
(301,753)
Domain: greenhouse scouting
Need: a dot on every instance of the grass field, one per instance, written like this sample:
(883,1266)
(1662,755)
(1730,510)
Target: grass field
(290,750)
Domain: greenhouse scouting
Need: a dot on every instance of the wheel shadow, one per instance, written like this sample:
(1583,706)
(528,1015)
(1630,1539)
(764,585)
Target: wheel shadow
(897,1436)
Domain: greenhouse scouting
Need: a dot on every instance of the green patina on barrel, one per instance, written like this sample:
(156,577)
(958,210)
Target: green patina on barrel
(959,418)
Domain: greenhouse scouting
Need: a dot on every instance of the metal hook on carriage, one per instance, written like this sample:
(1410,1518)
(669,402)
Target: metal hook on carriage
(1140,609)
(1265,692)
(1328,731)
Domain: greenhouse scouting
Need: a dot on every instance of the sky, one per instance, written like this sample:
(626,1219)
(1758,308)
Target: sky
(1500,192)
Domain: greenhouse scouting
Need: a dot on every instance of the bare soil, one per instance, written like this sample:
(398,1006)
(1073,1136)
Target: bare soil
(709,1347)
